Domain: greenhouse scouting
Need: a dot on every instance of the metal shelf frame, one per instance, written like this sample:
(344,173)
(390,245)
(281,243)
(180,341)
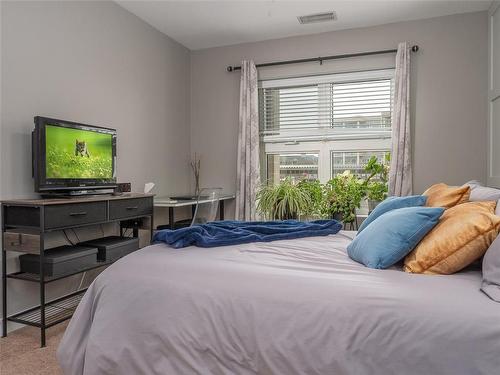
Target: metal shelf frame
(49,313)
(56,311)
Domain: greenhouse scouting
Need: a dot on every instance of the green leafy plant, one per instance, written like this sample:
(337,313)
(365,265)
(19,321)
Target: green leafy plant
(376,191)
(376,169)
(315,190)
(376,182)
(283,201)
(343,194)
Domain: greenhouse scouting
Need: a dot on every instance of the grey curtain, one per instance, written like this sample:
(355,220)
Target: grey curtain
(400,174)
(248,168)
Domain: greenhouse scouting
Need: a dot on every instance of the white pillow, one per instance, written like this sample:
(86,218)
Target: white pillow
(479,192)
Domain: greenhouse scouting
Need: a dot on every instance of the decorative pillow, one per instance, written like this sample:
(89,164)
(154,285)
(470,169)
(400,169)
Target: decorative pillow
(463,235)
(393,203)
(442,195)
(393,235)
(491,271)
(479,192)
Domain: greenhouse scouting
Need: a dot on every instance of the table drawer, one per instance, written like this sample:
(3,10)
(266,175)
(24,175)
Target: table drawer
(123,208)
(74,214)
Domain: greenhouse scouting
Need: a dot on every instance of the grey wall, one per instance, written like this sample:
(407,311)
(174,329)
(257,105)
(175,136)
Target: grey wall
(96,63)
(449,77)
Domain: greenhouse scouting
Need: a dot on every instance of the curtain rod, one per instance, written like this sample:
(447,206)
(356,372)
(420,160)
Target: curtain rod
(321,59)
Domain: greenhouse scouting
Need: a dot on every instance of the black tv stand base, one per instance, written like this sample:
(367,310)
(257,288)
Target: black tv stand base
(76,193)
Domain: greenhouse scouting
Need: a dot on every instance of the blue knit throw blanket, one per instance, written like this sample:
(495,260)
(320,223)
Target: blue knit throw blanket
(223,233)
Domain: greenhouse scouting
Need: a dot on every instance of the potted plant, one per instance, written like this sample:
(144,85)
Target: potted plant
(343,194)
(376,192)
(315,190)
(286,200)
(376,182)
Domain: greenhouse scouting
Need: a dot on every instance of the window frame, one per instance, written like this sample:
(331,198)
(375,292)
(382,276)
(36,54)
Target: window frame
(324,141)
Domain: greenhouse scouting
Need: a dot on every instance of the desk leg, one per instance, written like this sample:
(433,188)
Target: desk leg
(151,229)
(221,210)
(4,293)
(171,221)
(4,279)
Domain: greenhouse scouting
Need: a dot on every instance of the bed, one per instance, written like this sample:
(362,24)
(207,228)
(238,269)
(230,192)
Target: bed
(286,307)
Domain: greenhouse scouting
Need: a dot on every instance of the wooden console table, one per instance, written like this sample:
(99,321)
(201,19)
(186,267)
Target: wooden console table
(24,226)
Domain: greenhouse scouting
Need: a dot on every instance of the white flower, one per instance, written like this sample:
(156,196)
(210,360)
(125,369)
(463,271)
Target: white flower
(346,173)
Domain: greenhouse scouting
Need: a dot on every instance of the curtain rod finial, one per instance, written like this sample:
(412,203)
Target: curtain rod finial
(414,48)
(229,68)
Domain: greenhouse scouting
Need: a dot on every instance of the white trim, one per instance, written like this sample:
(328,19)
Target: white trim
(491,14)
(328,78)
(493,95)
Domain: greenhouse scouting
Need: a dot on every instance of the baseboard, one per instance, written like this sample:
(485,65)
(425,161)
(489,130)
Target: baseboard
(12,326)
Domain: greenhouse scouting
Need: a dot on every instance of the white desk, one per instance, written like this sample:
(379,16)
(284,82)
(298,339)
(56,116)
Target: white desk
(171,204)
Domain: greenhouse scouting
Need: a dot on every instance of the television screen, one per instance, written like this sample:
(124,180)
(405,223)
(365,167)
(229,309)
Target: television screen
(71,158)
(77,153)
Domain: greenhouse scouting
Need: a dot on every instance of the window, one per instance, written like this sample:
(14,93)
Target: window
(355,161)
(319,126)
(297,166)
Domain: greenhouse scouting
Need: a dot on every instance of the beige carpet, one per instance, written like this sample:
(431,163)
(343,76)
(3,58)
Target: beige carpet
(20,352)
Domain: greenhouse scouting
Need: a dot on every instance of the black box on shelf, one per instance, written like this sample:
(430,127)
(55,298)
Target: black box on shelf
(114,247)
(60,260)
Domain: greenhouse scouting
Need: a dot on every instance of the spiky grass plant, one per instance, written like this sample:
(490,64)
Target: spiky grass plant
(283,201)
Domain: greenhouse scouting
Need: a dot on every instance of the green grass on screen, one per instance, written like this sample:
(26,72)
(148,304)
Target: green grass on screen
(61,161)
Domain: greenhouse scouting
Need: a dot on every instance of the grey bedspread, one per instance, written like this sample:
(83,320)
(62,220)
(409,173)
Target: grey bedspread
(286,307)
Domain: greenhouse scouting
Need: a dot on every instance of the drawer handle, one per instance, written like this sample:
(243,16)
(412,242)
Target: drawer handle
(132,208)
(83,213)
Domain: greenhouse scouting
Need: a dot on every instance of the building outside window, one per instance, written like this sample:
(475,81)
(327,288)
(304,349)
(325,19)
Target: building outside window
(318,126)
(298,166)
(355,161)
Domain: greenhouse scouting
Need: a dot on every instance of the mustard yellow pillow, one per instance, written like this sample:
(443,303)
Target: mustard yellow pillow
(462,235)
(442,195)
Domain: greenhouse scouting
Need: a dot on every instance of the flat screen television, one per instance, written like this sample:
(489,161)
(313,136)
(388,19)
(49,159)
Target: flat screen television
(72,158)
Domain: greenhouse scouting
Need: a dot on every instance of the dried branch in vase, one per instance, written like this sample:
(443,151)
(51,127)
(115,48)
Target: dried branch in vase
(195,166)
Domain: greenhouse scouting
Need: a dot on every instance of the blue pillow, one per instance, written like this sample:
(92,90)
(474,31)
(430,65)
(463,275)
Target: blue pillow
(393,203)
(393,235)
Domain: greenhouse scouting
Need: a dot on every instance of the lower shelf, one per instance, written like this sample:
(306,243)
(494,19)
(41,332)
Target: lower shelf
(56,311)
(47,279)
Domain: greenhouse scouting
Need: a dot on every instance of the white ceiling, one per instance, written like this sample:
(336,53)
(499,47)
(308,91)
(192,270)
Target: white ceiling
(205,24)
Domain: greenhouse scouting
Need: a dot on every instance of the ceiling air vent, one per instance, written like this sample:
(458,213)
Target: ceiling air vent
(318,17)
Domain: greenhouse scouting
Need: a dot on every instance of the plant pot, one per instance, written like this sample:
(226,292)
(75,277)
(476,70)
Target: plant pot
(372,204)
(338,216)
